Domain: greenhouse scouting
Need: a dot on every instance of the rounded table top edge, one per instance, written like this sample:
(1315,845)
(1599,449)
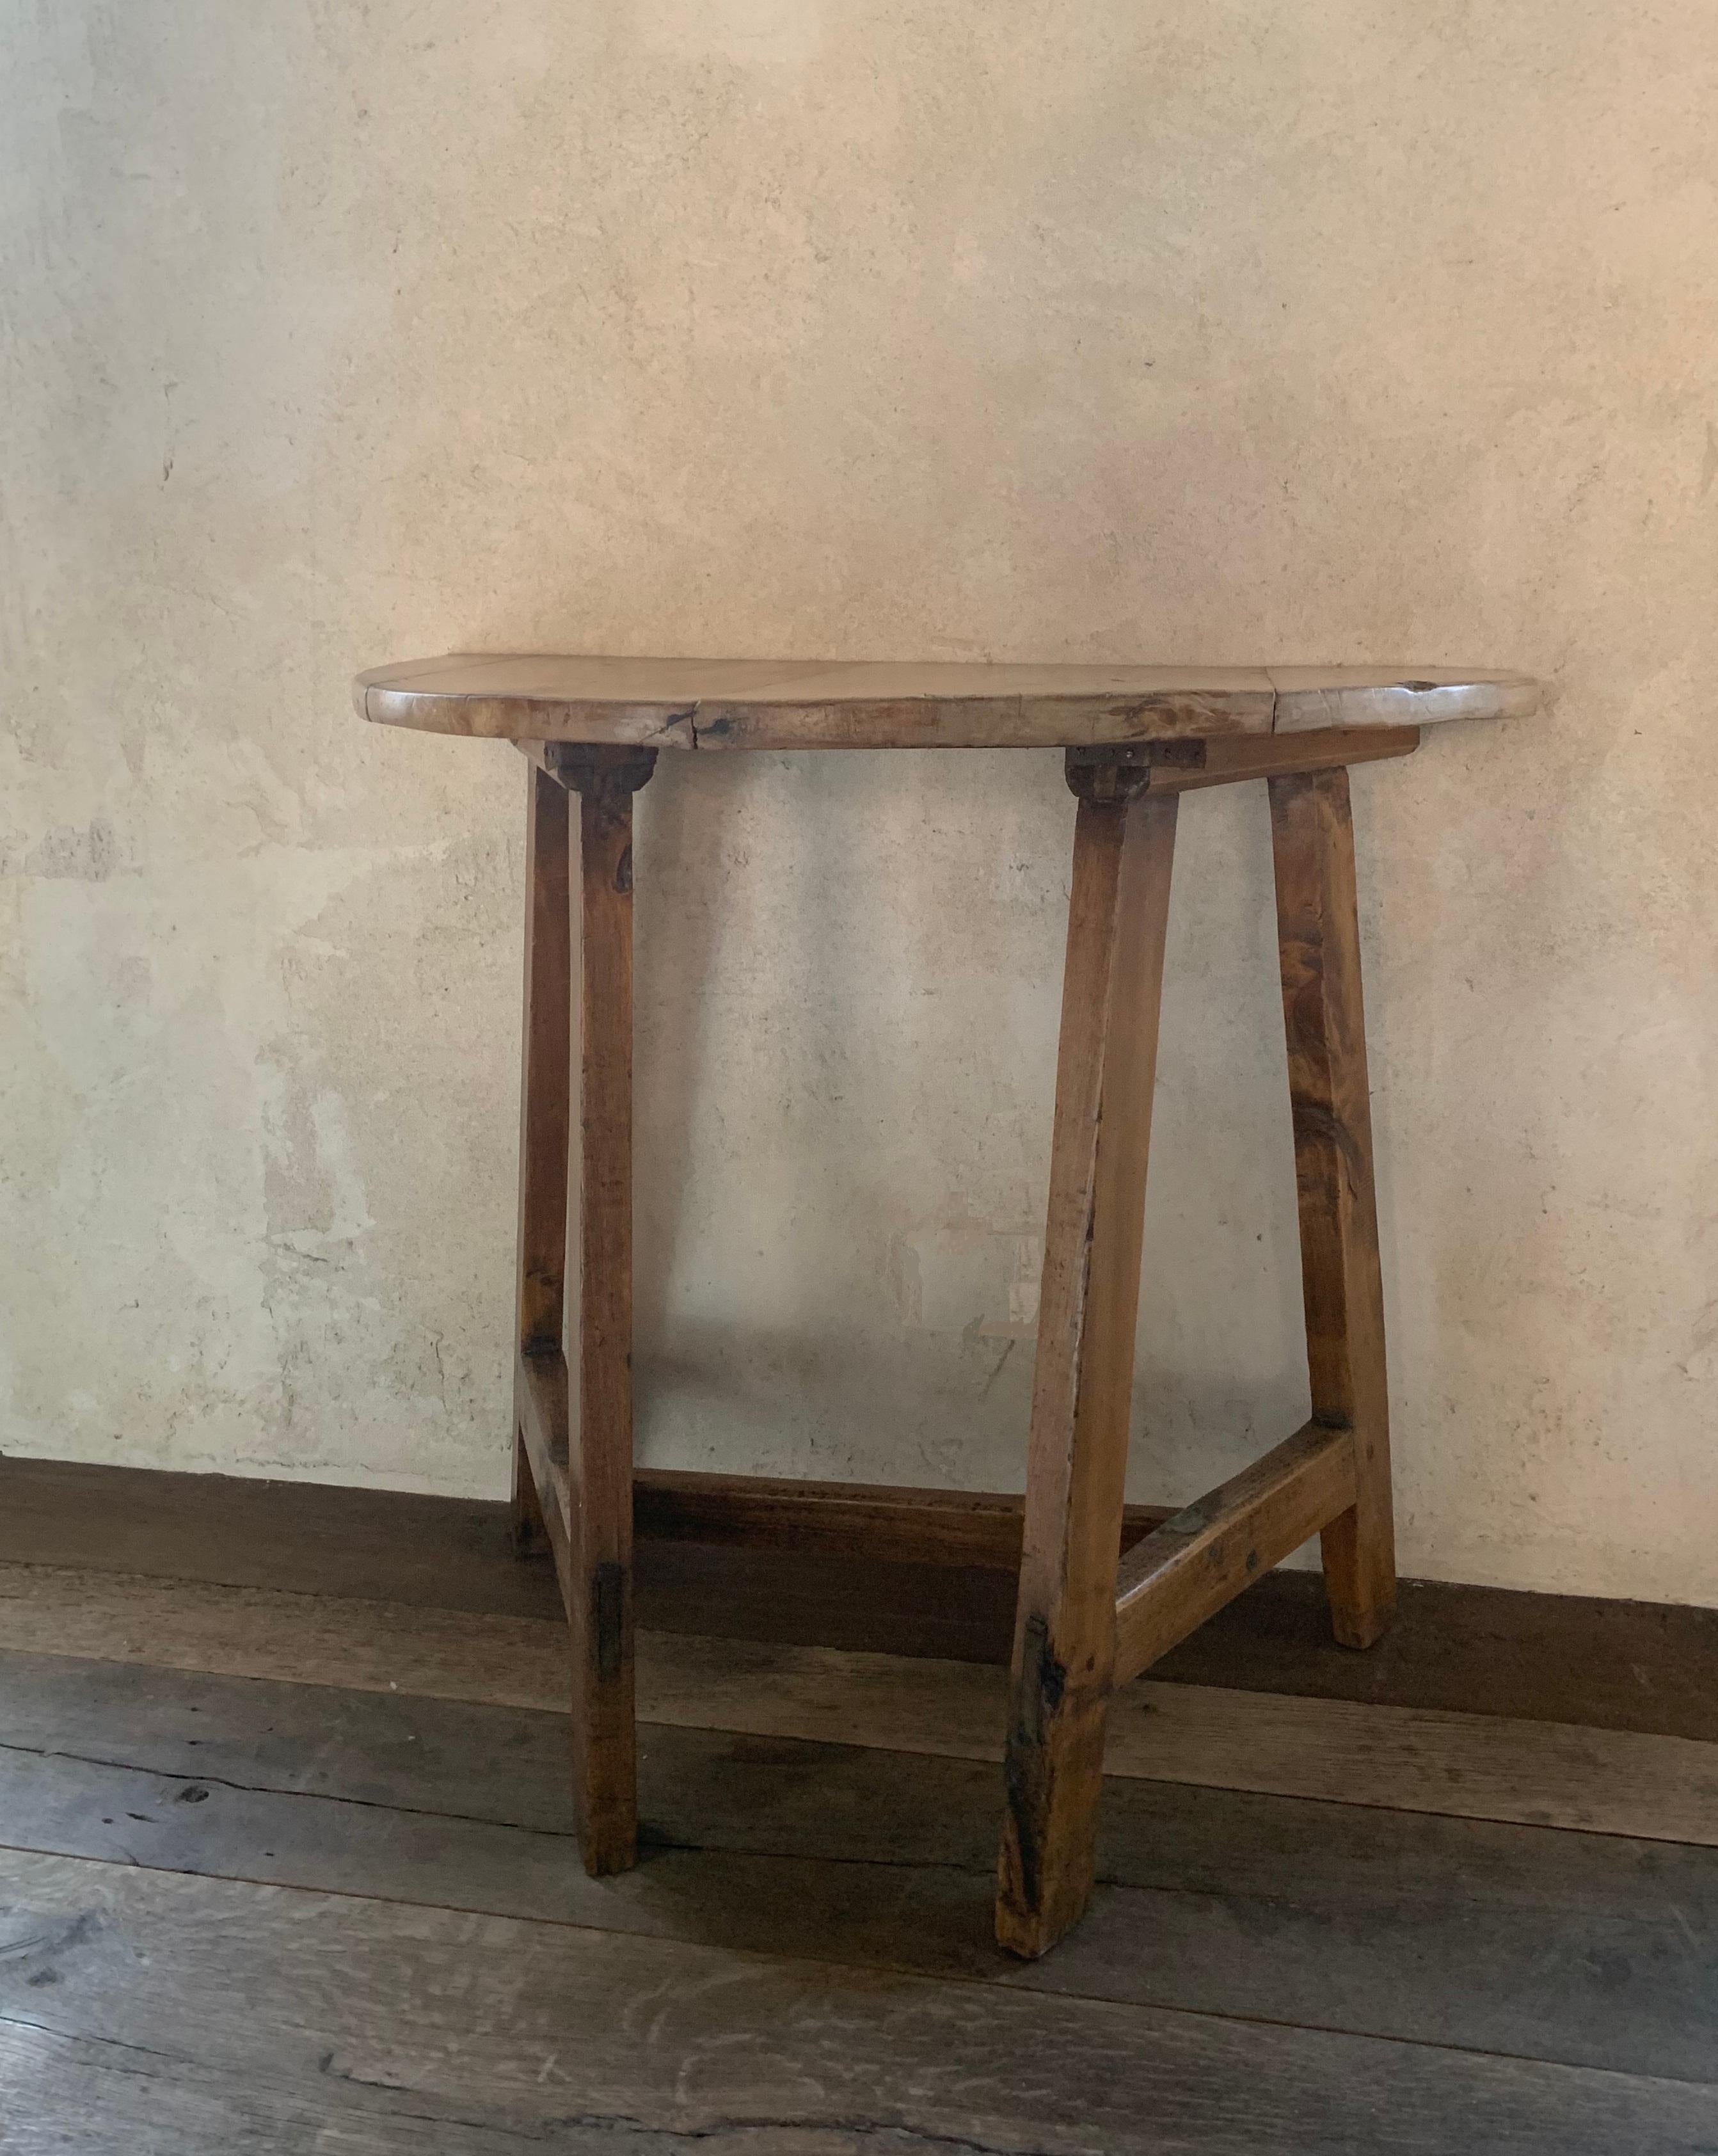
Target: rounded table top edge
(827,706)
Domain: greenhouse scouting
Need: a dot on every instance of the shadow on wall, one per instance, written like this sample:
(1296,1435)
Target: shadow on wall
(845,1067)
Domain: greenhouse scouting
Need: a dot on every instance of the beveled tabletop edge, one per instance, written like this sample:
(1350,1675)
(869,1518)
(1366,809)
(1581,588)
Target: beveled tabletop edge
(786,704)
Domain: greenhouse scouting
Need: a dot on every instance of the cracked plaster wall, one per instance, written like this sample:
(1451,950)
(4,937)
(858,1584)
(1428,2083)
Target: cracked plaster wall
(1288,330)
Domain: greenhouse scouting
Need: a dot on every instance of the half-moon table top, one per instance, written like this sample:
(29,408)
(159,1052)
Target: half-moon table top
(788,703)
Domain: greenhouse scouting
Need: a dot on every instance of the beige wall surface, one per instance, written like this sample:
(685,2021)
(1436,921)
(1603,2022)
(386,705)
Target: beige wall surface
(1278,329)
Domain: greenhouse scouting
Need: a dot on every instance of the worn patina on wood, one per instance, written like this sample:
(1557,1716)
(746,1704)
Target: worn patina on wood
(788,704)
(1103,1591)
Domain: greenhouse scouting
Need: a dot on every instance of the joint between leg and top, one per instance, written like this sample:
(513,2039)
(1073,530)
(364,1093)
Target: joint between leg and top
(1107,771)
(590,767)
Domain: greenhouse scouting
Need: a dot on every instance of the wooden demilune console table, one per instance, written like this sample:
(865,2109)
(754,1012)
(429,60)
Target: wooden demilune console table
(1101,1596)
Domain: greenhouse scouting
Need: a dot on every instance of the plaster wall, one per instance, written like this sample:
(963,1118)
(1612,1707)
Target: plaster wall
(1287,330)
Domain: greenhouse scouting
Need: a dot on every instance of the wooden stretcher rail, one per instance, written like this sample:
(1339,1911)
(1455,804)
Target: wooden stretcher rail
(757,1511)
(540,1412)
(905,1527)
(1202,1557)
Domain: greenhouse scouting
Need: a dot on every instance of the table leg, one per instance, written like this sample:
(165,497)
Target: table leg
(1312,836)
(601,1526)
(543,1112)
(1064,1640)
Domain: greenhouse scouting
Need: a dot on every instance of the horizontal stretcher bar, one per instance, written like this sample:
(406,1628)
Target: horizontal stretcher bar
(757,1511)
(1177,1568)
(1202,1557)
(539,1398)
(838,1519)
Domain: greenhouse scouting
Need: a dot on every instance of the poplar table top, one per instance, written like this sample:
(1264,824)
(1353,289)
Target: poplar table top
(791,704)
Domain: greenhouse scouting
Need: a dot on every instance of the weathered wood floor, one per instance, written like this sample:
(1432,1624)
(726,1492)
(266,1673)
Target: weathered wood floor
(286,1865)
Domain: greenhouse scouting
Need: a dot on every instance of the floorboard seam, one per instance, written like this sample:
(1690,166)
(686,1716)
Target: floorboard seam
(300,1593)
(1096,2000)
(906,1750)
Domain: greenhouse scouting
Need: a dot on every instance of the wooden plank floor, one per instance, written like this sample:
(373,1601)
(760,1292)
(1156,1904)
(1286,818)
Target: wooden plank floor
(291,1867)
